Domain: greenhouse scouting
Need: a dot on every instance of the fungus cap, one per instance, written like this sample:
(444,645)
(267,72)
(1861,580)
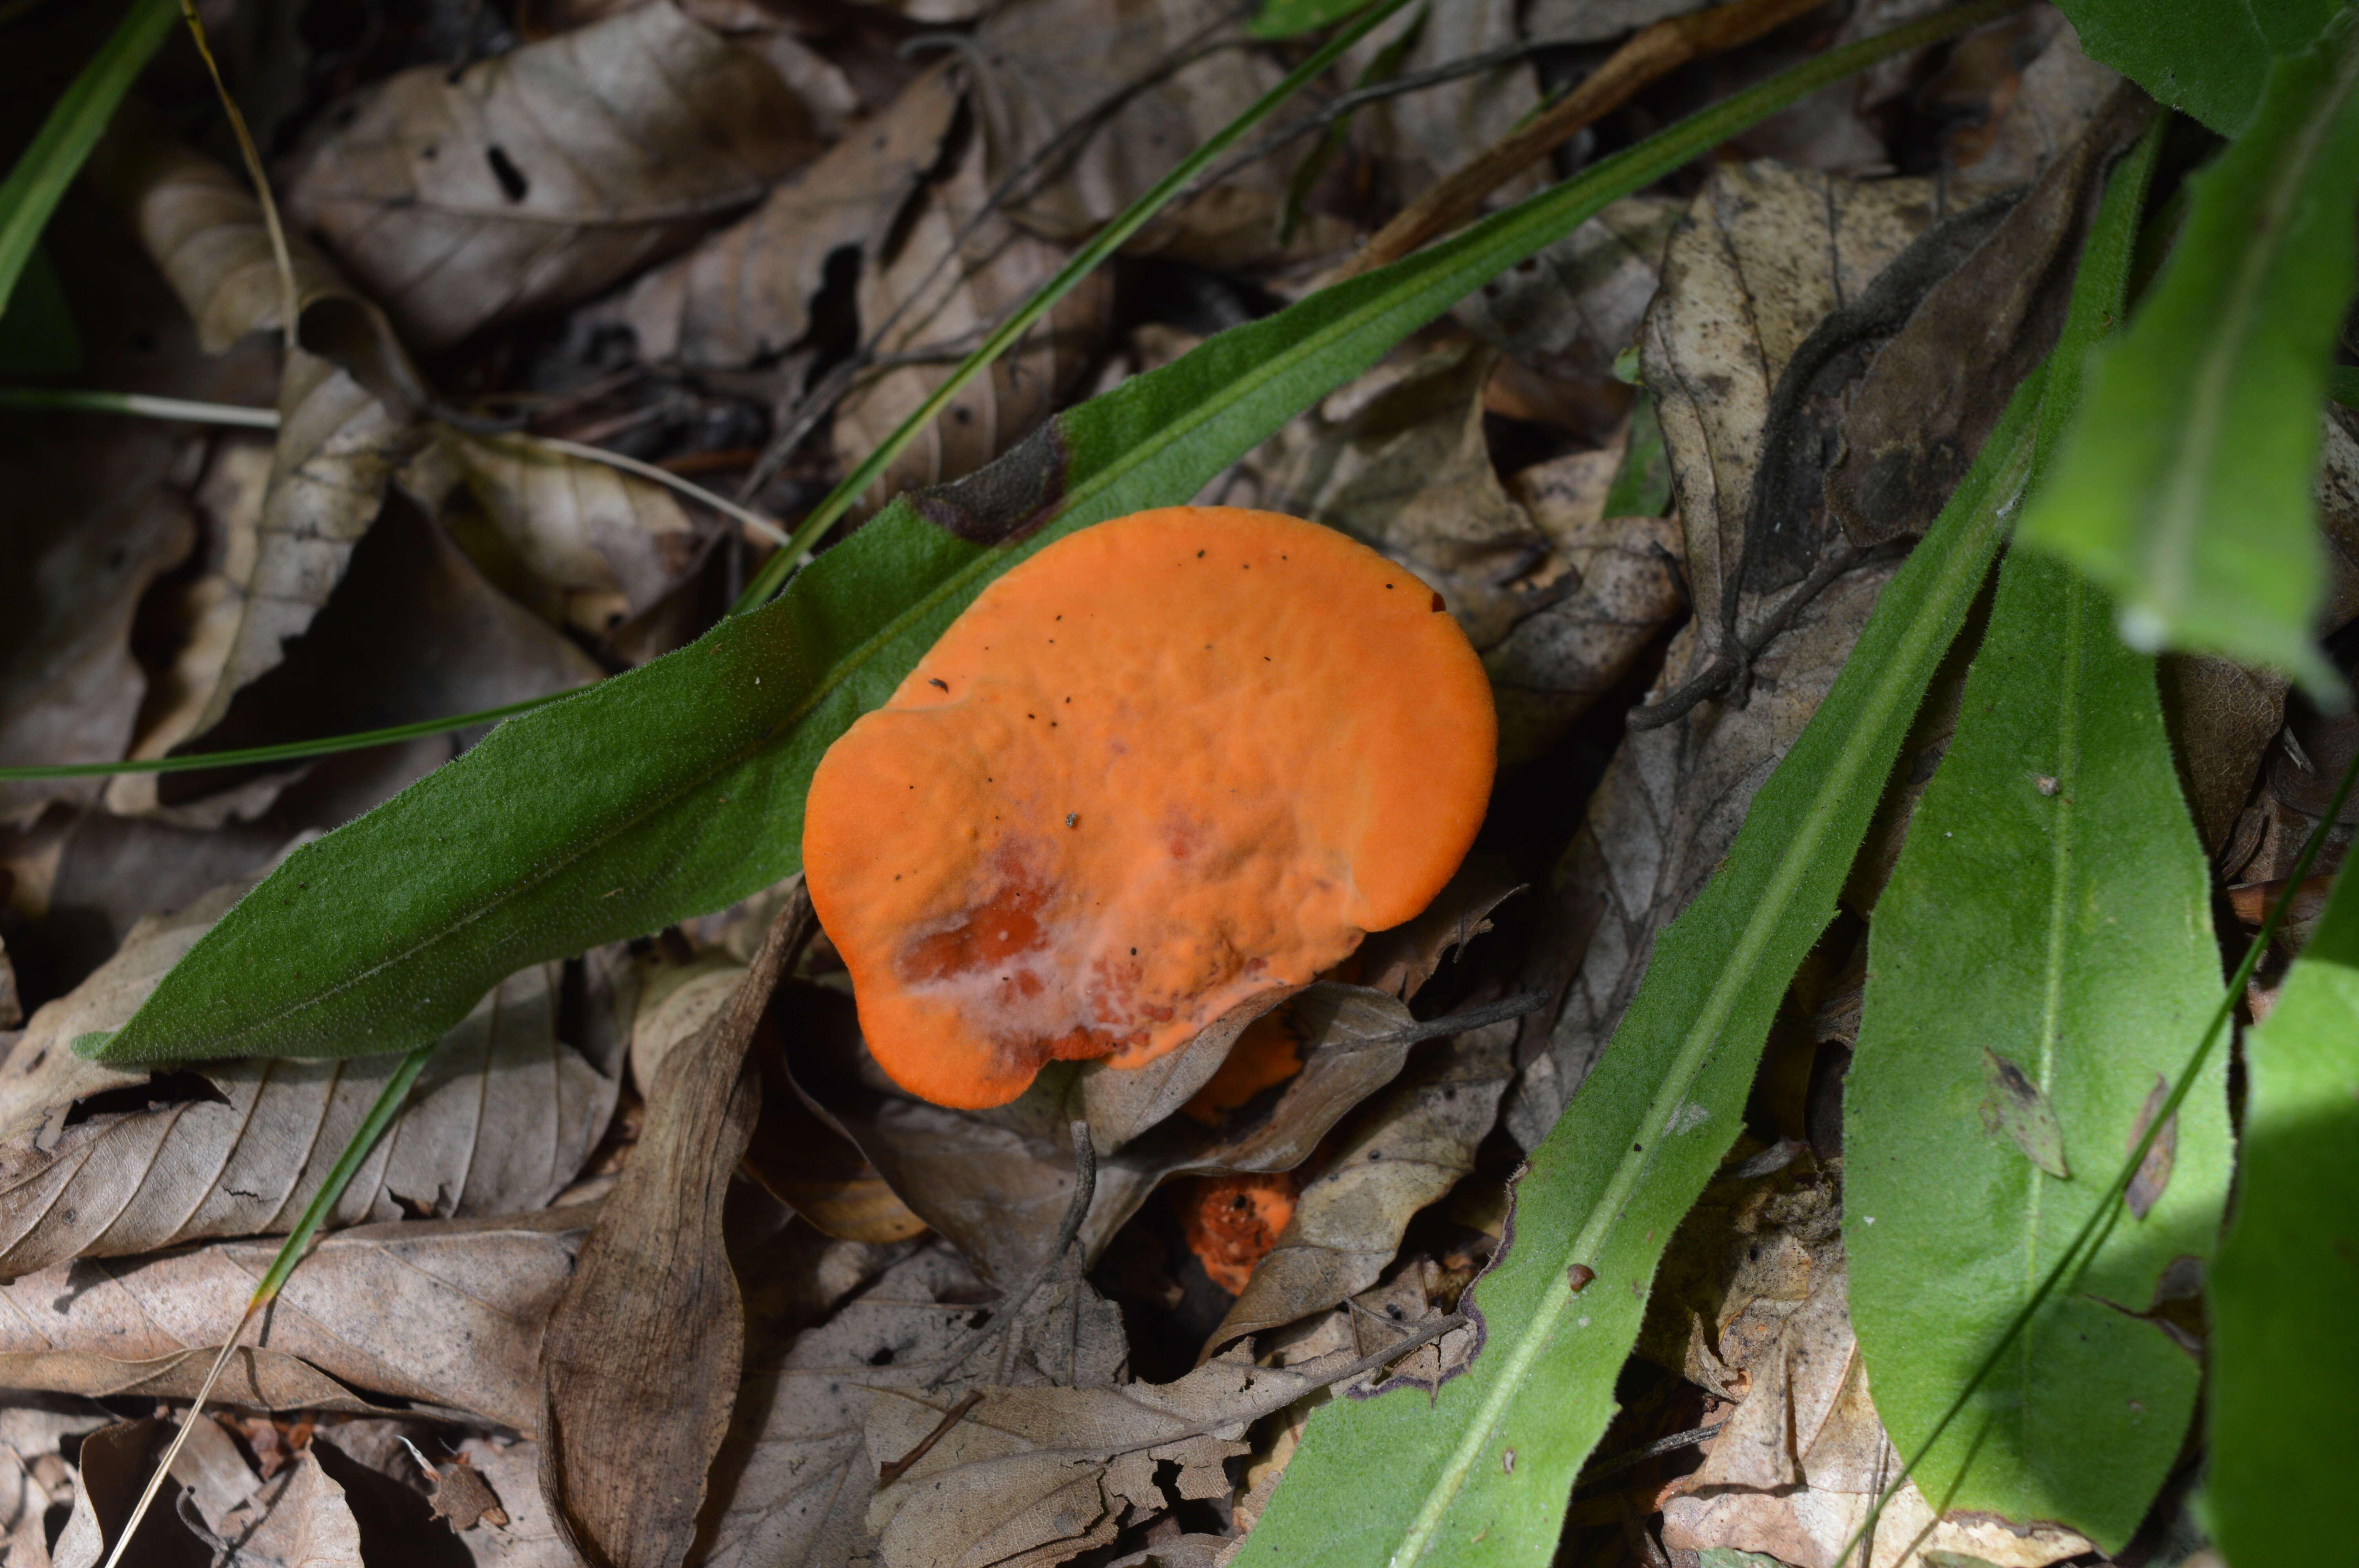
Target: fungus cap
(1172,764)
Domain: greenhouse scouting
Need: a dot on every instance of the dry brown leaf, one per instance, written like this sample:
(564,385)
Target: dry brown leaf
(299,1520)
(116,1464)
(500,1120)
(1768,253)
(445,1312)
(1417,137)
(1406,1150)
(1039,66)
(96,509)
(641,1359)
(1579,302)
(1035,1474)
(1803,1459)
(746,291)
(987,275)
(541,176)
(581,543)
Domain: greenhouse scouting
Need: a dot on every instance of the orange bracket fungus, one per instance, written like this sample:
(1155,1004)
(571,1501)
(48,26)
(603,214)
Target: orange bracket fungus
(1171,766)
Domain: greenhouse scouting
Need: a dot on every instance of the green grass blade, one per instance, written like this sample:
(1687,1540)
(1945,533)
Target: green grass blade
(1481,1474)
(678,788)
(2281,1298)
(2185,490)
(45,168)
(1085,261)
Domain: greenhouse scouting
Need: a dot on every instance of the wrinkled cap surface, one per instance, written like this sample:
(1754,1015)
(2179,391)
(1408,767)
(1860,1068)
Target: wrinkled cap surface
(1173,764)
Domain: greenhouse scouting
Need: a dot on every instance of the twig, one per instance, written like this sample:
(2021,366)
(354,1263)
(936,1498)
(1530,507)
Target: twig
(1647,57)
(1597,1475)
(270,225)
(1012,1303)
(888,1474)
(665,477)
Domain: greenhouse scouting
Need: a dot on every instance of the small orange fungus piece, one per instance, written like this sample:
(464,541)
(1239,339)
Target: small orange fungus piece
(1170,766)
(1231,1222)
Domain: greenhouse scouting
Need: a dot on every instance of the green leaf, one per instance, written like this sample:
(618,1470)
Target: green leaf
(1481,1473)
(45,167)
(2185,490)
(2208,58)
(1642,485)
(678,788)
(2282,1296)
(2051,907)
(1293,18)
(36,328)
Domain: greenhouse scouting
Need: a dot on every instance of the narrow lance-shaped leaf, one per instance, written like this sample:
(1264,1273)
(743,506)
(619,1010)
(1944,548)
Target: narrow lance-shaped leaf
(2052,907)
(46,167)
(1481,1473)
(2281,1300)
(678,788)
(2185,490)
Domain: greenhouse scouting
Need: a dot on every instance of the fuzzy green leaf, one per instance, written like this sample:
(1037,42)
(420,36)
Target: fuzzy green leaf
(678,788)
(2051,907)
(1480,1472)
(2185,491)
(2283,1295)
(2208,58)
(55,154)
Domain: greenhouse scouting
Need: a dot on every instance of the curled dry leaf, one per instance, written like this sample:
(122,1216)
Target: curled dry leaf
(941,294)
(1578,303)
(746,292)
(1405,1151)
(446,1312)
(1803,1458)
(584,545)
(641,1359)
(541,175)
(95,1162)
(300,1518)
(116,1464)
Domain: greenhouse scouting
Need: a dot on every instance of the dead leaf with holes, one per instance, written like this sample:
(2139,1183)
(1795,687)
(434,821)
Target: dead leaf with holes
(97,1162)
(541,176)
(933,295)
(746,292)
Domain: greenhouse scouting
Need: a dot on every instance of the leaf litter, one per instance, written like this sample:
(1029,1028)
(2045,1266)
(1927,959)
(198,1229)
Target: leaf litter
(657,1267)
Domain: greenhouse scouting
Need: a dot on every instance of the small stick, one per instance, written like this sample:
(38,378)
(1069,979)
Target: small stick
(381,1114)
(1646,57)
(888,1474)
(270,225)
(1590,1479)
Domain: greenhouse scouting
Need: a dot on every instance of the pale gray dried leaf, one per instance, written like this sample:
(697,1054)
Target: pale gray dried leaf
(1578,303)
(529,1539)
(214,1470)
(1398,460)
(2223,718)
(1037,66)
(1399,961)
(1122,1103)
(97,508)
(1406,1150)
(443,1313)
(544,174)
(1767,252)
(792,1481)
(746,291)
(941,313)
(300,1520)
(2019,1111)
(1655,828)
(500,1120)
(1933,393)
(1803,1457)
(584,545)
(675,1002)
(1417,137)
(1038,1470)
(640,1362)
